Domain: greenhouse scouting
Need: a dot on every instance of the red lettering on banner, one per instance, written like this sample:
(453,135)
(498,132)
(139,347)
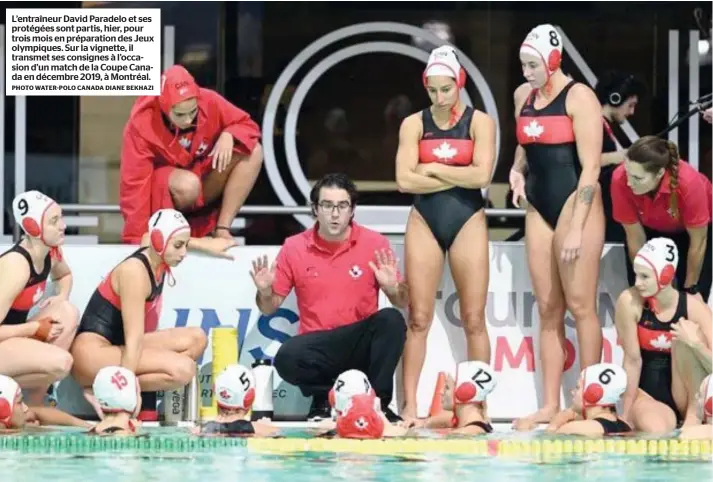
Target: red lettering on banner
(524,351)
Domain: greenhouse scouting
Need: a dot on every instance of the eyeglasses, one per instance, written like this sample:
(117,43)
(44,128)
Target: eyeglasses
(329,206)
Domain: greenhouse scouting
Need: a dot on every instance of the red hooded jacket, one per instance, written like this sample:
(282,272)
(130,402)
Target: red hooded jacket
(148,143)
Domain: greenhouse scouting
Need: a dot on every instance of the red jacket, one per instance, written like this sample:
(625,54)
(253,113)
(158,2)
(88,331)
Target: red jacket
(148,144)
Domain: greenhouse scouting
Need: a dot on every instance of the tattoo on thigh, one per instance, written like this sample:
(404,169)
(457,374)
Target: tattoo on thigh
(586,194)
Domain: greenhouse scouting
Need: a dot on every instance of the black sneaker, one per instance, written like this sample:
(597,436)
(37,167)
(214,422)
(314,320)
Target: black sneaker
(391,416)
(320,410)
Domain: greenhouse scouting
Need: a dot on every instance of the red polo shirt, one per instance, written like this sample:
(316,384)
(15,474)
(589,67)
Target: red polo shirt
(334,284)
(694,201)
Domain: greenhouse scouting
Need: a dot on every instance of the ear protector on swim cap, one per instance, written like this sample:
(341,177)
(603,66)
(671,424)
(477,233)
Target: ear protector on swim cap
(602,385)
(235,388)
(8,393)
(361,418)
(544,41)
(177,85)
(116,389)
(474,382)
(661,255)
(348,384)
(163,225)
(444,61)
(29,210)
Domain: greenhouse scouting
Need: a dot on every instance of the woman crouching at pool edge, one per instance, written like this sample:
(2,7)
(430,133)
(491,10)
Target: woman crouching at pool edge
(357,410)
(234,391)
(464,401)
(16,416)
(118,395)
(594,399)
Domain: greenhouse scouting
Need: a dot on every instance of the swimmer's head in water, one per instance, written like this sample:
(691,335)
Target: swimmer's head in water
(443,78)
(333,200)
(234,388)
(40,217)
(655,266)
(179,96)
(13,411)
(169,233)
(704,399)
(600,385)
(117,391)
(362,418)
(347,385)
(541,55)
(475,380)
(646,163)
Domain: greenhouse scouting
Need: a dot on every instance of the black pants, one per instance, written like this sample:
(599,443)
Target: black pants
(682,241)
(313,361)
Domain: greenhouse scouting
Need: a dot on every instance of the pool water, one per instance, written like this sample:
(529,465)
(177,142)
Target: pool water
(59,464)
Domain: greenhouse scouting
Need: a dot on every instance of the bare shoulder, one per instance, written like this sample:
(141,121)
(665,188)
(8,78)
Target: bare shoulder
(630,302)
(481,118)
(132,272)
(698,310)
(521,93)
(16,264)
(412,123)
(581,97)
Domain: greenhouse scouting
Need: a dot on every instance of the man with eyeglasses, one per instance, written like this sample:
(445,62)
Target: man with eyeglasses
(337,269)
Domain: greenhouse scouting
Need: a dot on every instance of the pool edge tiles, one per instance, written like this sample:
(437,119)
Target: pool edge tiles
(691,449)
(540,448)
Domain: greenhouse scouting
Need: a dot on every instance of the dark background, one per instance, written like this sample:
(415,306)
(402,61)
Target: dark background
(349,120)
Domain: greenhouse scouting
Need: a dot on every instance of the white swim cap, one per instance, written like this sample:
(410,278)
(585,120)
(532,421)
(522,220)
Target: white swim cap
(602,385)
(474,382)
(163,225)
(235,388)
(8,393)
(544,42)
(444,61)
(348,384)
(29,209)
(661,255)
(116,389)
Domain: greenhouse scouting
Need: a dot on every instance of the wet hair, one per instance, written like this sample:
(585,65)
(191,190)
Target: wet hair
(334,180)
(654,154)
(618,86)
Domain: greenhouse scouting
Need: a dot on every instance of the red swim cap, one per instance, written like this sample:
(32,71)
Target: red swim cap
(362,418)
(177,85)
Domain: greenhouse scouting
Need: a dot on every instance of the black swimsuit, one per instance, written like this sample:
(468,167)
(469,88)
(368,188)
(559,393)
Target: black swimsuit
(613,428)
(446,212)
(553,167)
(655,342)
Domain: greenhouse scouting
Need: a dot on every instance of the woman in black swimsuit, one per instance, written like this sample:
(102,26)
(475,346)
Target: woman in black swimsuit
(560,143)
(445,156)
(35,351)
(656,400)
(594,402)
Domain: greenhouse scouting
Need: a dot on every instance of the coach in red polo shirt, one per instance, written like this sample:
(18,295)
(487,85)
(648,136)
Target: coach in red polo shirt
(655,194)
(337,269)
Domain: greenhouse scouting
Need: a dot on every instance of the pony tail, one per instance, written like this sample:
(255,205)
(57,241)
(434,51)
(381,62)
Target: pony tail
(673,171)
